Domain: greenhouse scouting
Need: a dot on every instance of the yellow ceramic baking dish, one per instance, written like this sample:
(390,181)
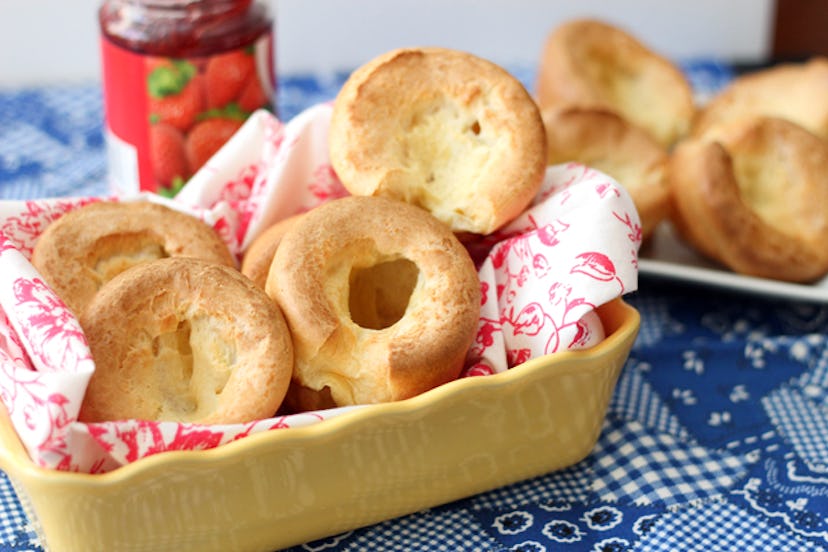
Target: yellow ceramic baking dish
(289,486)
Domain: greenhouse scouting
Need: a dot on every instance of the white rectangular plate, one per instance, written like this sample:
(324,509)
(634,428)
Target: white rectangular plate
(666,256)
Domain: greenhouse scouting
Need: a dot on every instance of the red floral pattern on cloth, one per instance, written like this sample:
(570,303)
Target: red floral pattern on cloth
(541,278)
(45,362)
(22,227)
(550,268)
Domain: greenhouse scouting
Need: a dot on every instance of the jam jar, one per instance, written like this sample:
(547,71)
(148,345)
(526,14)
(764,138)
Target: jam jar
(179,79)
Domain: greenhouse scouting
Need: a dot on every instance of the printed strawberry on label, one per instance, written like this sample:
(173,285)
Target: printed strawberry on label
(169,158)
(176,93)
(194,106)
(208,136)
(253,96)
(226,76)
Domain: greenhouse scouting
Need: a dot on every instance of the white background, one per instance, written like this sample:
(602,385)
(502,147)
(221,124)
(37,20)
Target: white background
(56,41)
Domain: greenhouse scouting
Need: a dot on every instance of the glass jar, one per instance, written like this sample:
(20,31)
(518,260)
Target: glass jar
(179,78)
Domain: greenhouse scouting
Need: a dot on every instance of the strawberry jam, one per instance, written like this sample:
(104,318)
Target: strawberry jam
(179,79)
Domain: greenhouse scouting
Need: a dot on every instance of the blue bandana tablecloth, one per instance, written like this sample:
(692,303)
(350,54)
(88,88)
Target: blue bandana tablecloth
(716,438)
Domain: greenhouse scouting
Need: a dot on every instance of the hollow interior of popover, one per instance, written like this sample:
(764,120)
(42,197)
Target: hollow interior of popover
(192,364)
(767,165)
(760,181)
(115,253)
(445,144)
(379,294)
(173,368)
(631,87)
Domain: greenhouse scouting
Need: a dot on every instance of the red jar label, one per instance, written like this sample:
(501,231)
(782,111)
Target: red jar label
(166,116)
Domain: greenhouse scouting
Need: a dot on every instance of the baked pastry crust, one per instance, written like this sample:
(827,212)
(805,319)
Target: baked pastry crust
(444,130)
(605,141)
(793,91)
(83,249)
(755,199)
(184,340)
(258,257)
(593,64)
(381,299)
